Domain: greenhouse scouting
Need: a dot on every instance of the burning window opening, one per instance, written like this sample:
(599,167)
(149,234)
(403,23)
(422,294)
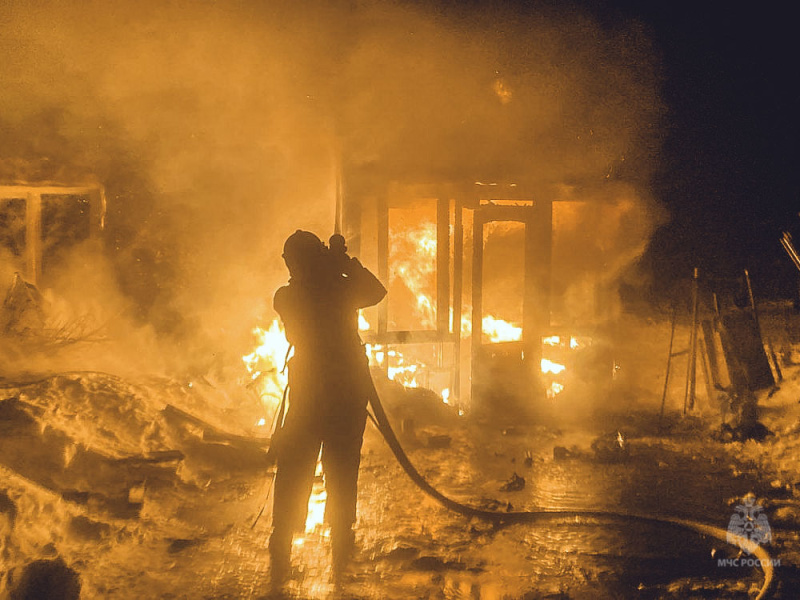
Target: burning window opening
(503,281)
(412,281)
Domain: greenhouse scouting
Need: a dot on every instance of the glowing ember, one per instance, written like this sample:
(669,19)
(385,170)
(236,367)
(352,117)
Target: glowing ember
(376,354)
(401,372)
(554,390)
(560,347)
(553,340)
(500,331)
(397,369)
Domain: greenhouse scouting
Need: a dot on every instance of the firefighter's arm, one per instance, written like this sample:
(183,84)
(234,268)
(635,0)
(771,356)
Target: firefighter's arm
(366,289)
(282,305)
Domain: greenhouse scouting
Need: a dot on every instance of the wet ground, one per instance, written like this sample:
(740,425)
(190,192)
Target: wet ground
(200,536)
(413,548)
(410,547)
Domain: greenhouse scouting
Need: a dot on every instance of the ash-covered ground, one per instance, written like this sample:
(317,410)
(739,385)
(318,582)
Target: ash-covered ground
(151,487)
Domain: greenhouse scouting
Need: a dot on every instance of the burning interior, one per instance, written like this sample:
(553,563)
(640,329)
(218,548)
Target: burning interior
(507,326)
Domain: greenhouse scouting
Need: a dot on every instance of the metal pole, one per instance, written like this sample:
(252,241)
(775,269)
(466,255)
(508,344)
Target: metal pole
(691,367)
(669,360)
(786,242)
(773,356)
(705,364)
(752,302)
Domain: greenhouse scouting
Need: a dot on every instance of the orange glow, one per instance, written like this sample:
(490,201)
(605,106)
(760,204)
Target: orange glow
(554,390)
(401,372)
(265,365)
(412,274)
(315,518)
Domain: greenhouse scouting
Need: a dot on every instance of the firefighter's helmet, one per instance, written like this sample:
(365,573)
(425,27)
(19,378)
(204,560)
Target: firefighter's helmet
(302,251)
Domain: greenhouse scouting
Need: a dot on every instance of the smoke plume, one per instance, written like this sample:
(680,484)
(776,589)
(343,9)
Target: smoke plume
(216,128)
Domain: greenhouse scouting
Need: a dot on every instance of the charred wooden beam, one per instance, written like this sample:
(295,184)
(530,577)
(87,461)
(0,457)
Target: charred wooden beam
(442,265)
(458,281)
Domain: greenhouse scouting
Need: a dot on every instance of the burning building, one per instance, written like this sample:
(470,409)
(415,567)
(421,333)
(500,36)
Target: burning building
(491,325)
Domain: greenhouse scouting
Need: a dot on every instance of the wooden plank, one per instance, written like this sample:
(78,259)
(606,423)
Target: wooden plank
(424,336)
(458,278)
(383,258)
(442,265)
(33,237)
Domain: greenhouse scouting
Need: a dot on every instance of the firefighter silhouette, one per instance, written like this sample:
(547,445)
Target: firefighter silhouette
(748,526)
(329,384)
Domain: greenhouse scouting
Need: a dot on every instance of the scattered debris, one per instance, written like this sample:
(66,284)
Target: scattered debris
(8,508)
(494,505)
(402,552)
(515,484)
(611,448)
(741,433)
(408,431)
(786,516)
(562,453)
(86,529)
(435,563)
(439,441)
(23,311)
(179,545)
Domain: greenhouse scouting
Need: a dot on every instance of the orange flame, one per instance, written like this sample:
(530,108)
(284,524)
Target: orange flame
(499,330)
(265,365)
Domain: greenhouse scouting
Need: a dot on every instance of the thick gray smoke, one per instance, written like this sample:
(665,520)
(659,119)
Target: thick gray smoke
(216,127)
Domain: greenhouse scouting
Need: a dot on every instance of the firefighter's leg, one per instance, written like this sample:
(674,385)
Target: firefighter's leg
(294,478)
(341,456)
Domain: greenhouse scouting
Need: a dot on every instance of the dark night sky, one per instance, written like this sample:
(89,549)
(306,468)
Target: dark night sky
(728,172)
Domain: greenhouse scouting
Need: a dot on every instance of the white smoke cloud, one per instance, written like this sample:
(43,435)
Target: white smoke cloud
(215,126)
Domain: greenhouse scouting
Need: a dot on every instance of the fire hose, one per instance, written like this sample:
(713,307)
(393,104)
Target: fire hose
(381,421)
